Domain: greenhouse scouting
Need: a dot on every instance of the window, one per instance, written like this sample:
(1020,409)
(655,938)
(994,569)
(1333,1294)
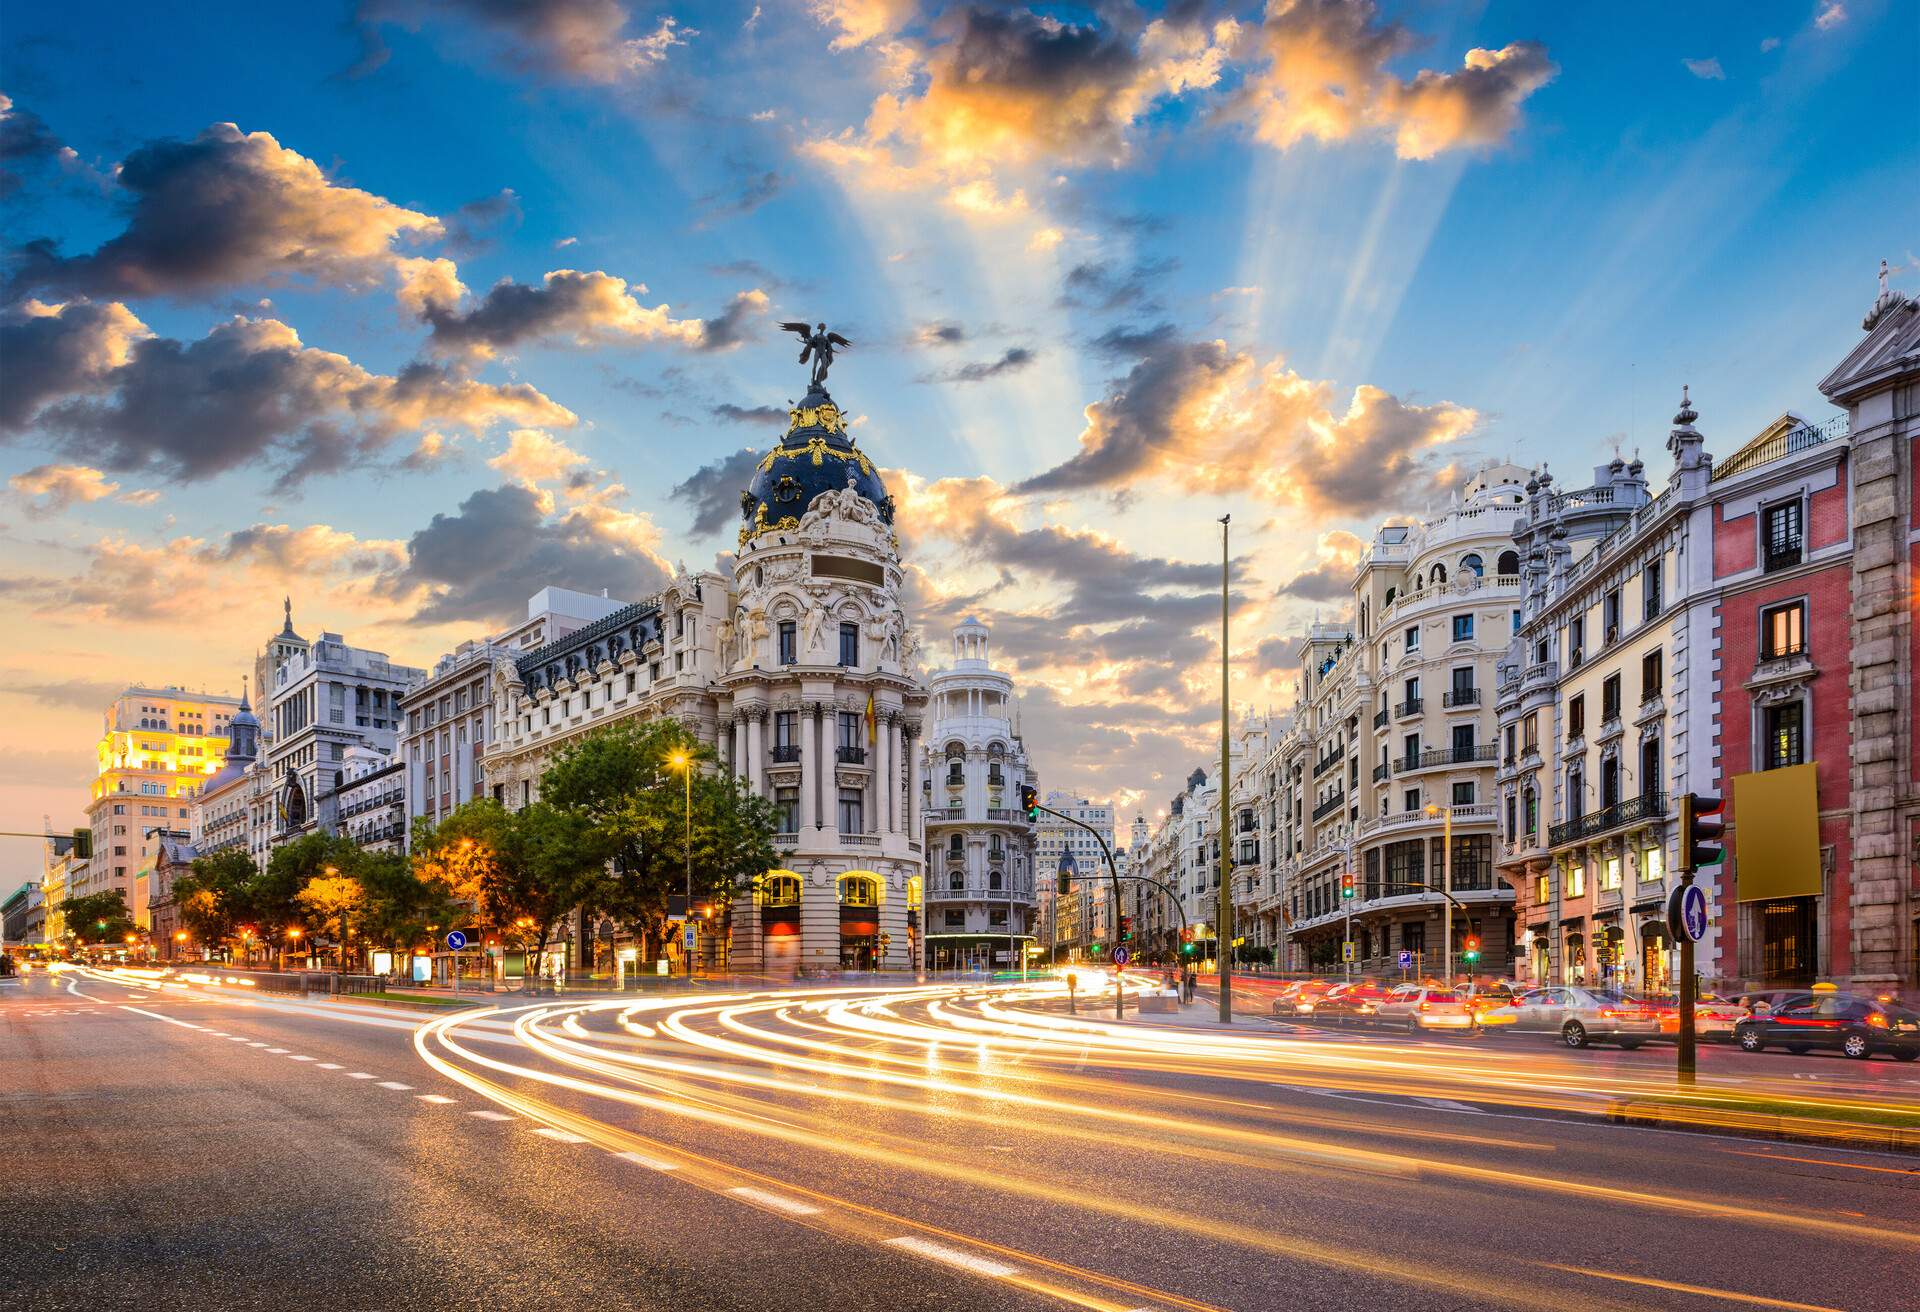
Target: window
(789,642)
(786,804)
(1784,534)
(1653,866)
(1511,734)
(859,891)
(849,644)
(1610,782)
(1785,735)
(1512,811)
(1516,619)
(1532,813)
(1576,640)
(956,881)
(1610,874)
(997,916)
(850,730)
(852,811)
(783,732)
(1577,718)
(1411,799)
(1542,889)
(954,845)
(956,918)
(1472,564)
(1650,767)
(954,775)
(1577,880)
(1650,599)
(1610,699)
(1463,793)
(1413,638)
(1463,628)
(1651,675)
(1530,733)
(1783,631)
(1576,792)
(1611,610)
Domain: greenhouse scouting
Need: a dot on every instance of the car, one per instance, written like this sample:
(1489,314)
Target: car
(1768,999)
(1301,999)
(1713,1016)
(1426,1007)
(1350,1003)
(1858,1026)
(1490,1001)
(1581,1016)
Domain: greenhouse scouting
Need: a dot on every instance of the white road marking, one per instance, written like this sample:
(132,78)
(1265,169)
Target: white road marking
(491,1116)
(564,1136)
(651,1163)
(358,1075)
(278,1052)
(297,1057)
(766,1199)
(261,1043)
(330,1066)
(236,1038)
(394,1084)
(157,1016)
(1448,1104)
(434,1098)
(952,1256)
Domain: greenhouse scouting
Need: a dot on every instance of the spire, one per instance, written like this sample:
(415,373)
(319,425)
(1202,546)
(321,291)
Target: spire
(286,606)
(1686,443)
(244,705)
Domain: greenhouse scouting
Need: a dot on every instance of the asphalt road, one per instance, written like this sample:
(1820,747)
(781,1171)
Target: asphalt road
(914,1149)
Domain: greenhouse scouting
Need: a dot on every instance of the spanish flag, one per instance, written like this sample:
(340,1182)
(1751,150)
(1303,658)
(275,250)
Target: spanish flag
(872,723)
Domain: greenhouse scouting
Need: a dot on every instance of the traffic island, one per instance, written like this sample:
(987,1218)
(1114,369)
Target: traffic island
(1838,1125)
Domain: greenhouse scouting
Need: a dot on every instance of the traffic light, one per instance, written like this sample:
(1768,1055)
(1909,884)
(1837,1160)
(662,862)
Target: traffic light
(1346,884)
(1030,801)
(1066,883)
(1186,949)
(1471,954)
(1095,949)
(1703,826)
(1126,929)
(83,844)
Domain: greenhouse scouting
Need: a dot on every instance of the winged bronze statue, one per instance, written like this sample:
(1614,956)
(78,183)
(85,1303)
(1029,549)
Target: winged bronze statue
(818,343)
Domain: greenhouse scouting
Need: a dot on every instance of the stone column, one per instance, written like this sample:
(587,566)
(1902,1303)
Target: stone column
(910,736)
(809,765)
(756,754)
(882,804)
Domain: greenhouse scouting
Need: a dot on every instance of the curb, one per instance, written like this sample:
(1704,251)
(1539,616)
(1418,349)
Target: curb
(1761,1125)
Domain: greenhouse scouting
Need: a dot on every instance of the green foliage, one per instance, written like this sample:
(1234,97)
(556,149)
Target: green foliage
(98,917)
(401,908)
(213,897)
(533,865)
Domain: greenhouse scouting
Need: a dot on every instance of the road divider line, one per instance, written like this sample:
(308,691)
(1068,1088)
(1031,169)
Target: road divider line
(491,1116)
(331,1066)
(563,1136)
(1703,1291)
(651,1163)
(777,1201)
(358,1075)
(953,1257)
(298,1057)
(439,1099)
(157,1016)
(395,1085)
(278,1052)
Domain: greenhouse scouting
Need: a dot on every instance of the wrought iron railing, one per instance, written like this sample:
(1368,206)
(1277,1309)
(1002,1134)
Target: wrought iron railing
(1635,810)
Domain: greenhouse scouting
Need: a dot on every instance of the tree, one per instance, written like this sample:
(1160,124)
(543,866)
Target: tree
(401,907)
(98,917)
(213,897)
(518,870)
(330,900)
(624,781)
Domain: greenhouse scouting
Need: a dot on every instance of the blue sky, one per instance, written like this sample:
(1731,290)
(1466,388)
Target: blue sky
(1111,271)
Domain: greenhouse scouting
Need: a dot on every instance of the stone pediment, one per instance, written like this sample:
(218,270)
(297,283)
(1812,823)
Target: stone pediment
(1891,345)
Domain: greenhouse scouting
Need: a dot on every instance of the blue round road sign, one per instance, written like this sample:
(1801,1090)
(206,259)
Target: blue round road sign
(456,940)
(1121,956)
(1693,912)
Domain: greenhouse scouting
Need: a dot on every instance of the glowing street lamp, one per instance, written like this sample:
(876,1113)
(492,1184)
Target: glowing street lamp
(683,762)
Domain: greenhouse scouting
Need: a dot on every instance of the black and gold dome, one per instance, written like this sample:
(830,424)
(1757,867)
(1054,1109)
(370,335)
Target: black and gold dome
(816,455)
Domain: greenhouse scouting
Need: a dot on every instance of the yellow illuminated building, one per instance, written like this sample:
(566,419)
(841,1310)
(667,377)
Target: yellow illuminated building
(157,747)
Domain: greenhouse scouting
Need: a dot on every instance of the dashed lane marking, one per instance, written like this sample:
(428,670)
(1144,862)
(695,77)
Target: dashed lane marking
(641,1159)
(394,1084)
(262,1043)
(298,1057)
(779,1201)
(564,1136)
(331,1066)
(278,1052)
(491,1116)
(954,1257)
(436,1098)
(358,1075)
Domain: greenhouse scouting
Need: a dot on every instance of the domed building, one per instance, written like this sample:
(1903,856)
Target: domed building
(795,661)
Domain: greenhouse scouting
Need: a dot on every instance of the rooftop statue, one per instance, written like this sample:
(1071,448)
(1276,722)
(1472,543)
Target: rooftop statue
(817,343)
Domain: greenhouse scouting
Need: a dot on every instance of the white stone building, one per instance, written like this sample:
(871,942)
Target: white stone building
(980,906)
(797,665)
(1082,917)
(326,699)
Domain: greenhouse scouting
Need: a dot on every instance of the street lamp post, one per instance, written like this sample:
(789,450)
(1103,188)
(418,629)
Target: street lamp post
(1224,936)
(683,762)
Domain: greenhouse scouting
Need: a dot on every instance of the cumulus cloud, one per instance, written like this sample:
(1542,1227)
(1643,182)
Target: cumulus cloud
(504,545)
(586,309)
(534,456)
(25,139)
(563,40)
(112,396)
(1203,417)
(998,87)
(1332,578)
(1707,70)
(1323,76)
(749,414)
(1829,15)
(228,208)
(861,21)
(49,489)
(713,491)
(1012,360)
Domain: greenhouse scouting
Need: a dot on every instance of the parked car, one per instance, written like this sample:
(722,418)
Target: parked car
(1425,1007)
(1351,1002)
(1581,1016)
(1491,1001)
(1857,1026)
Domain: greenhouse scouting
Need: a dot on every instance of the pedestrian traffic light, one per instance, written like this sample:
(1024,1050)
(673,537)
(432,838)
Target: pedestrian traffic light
(1346,884)
(1472,950)
(1030,801)
(1703,828)
(1126,928)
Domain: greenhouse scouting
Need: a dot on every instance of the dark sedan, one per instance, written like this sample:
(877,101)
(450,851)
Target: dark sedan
(1857,1026)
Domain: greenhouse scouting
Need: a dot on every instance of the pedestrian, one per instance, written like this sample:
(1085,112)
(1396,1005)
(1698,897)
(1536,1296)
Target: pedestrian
(1188,986)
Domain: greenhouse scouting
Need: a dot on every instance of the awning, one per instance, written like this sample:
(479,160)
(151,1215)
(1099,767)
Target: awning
(859,928)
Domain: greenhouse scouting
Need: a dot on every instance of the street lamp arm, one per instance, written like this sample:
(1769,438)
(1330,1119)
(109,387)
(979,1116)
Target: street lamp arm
(1119,998)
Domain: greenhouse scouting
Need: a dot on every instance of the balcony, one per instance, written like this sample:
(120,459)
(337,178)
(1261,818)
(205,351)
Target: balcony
(789,755)
(1411,706)
(851,755)
(1380,772)
(1380,718)
(1460,697)
(1478,754)
(1636,810)
(1782,555)
(1328,761)
(1329,806)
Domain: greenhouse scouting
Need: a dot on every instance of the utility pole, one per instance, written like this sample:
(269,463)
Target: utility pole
(1224,937)
(1702,828)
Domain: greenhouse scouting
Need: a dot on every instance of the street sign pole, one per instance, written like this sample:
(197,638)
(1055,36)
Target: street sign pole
(1223,935)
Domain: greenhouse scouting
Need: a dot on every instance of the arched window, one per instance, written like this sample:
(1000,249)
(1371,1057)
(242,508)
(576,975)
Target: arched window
(1439,574)
(780,890)
(1419,582)
(954,772)
(859,891)
(1508,563)
(1391,592)
(913,893)
(1472,564)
